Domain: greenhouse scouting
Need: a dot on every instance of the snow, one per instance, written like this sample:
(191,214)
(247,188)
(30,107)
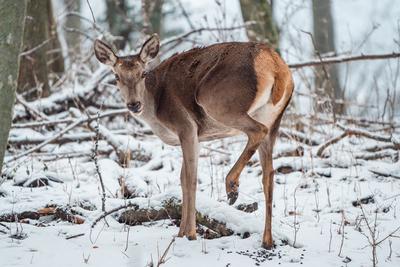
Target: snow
(157,180)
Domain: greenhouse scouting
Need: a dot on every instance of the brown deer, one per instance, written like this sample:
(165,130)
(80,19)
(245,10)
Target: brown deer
(203,94)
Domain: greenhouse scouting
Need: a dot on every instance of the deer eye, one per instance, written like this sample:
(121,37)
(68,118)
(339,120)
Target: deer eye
(116,77)
(144,74)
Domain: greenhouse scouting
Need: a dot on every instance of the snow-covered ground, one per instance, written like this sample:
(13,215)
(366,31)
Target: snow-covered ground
(315,221)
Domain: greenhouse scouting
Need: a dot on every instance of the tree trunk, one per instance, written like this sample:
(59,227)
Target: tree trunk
(73,39)
(55,59)
(12,15)
(265,29)
(33,72)
(119,22)
(153,14)
(327,79)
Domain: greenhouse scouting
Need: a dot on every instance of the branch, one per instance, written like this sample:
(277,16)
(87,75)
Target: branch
(342,59)
(356,132)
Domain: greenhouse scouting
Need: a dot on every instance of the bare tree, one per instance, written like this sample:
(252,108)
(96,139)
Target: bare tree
(326,77)
(265,29)
(12,14)
(119,21)
(72,22)
(40,39)
(152,11)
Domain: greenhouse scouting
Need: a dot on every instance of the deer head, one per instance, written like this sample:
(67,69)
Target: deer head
(129,71)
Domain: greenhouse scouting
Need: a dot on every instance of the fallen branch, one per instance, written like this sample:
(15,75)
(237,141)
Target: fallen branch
(62,213)
(378,155)
(355,132)
(171,209)
(385,174)
(342,59)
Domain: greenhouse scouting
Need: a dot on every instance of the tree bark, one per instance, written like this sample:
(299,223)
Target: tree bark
(326,77)
(33,72)
(153,10)
(42,49)
(12,15)
(265,29)
(118,20)
(72,22)
(55,57)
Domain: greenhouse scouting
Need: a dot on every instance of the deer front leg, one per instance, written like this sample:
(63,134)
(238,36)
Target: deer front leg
(182,225)
(256,132)
(190,150)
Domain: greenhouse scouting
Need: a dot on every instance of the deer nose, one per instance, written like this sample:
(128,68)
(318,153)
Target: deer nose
(134,106)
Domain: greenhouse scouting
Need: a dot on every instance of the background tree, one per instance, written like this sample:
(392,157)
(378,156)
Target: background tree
(326,77)
(119,21)
(72,22)
(265,29)
(12,14)
(41,46)
(152,16)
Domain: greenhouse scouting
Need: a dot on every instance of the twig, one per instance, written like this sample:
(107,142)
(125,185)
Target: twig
(96,147)
(105,214)
(91,11)
(75,236)
(163,259)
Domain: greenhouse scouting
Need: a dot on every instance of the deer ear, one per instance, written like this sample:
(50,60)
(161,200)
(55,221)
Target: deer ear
(150,48)
(104,53)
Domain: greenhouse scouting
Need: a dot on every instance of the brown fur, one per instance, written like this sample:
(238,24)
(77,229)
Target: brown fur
(208,93)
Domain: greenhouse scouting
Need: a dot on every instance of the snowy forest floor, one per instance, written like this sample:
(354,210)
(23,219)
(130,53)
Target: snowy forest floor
(321,204)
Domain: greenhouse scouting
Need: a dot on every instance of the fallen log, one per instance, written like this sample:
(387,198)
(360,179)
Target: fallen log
(62,213)
(171,209)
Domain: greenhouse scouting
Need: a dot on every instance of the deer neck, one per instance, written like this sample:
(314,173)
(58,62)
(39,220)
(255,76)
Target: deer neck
(151,96)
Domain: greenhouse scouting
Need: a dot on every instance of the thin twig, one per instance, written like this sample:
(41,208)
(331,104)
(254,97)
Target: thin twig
(163,258)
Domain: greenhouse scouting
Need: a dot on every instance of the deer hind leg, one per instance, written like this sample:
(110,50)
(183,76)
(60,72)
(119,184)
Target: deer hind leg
(265,151)
(256,133)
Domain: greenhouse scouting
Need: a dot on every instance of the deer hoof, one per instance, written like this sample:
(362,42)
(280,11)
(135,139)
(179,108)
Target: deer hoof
(268,245)
(232,197)
(192,237)
(181,233)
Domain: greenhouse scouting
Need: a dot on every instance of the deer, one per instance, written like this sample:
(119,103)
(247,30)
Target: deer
(203,94)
